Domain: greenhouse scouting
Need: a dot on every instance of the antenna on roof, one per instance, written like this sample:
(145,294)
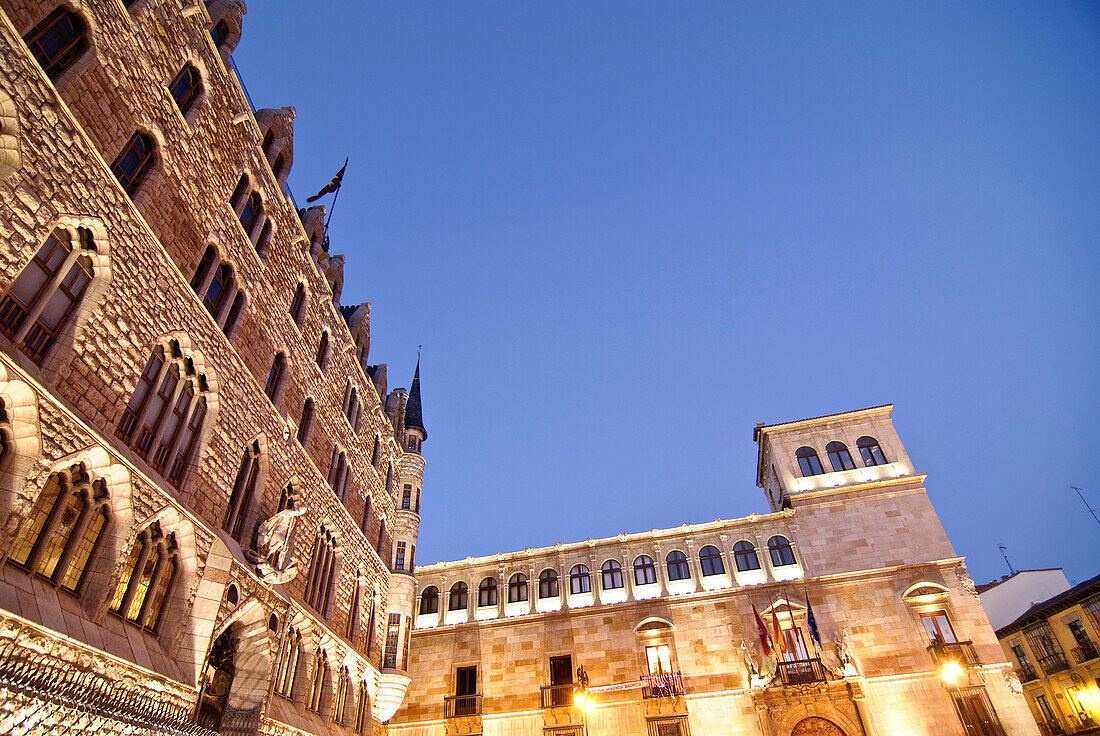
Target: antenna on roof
(1004,553)
(1090,508)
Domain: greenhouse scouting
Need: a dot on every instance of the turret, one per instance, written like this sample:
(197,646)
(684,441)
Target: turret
(415,434)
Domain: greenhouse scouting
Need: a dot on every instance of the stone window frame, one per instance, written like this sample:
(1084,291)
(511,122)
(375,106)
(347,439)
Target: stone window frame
(549,584)
(744,553)
(305,421)
(839,454)
(611,568)
(429,601)
(324,570)
(150,539)
(287,667)
(80,46)
(362,708)
(231,301)
(711,559)
(146,147)
(812,465)
(682,563)
(247,489)
(581,580)
(193,96)
(778,549)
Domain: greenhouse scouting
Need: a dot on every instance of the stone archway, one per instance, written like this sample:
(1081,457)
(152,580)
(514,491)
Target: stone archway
(816,726)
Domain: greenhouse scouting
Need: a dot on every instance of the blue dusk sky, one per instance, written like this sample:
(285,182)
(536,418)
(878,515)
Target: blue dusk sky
(625,233)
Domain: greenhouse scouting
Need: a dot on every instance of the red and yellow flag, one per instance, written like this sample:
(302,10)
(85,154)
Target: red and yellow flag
(780,644)
(762,632)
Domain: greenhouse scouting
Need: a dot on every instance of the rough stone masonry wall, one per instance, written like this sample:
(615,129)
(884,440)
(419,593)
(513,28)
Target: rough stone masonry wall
(148,248)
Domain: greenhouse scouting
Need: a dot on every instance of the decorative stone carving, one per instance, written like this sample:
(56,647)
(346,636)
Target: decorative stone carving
(271,541)
(965,581)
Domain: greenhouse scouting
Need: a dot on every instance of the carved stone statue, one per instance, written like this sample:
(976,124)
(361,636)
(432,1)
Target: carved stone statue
(750,657)
(272,541)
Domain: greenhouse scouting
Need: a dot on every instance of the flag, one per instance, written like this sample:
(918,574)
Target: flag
(780,644)
(332,186)
(812,623)
(762,632)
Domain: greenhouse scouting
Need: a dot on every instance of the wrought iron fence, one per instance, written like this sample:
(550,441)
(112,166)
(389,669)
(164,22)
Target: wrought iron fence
(1083,653)
(1052,662)
(40,693)
(1026,673)
(461,705)
(663,685)
(801,671)
(959,652)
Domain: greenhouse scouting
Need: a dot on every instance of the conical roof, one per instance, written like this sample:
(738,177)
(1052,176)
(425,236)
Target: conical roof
(414,417)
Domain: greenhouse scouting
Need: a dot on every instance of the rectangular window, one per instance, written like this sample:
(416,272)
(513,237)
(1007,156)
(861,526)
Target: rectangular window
(393,630)
(399,558)
(938,627)
(406,497)
(659,660)
(466,691)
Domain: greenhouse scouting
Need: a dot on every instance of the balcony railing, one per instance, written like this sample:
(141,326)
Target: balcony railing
(959,652)
(557,696)
(1084,653)
(461,705)
(663,685)
(1027,673)
(1052,663)
(1051,728)
(801,671)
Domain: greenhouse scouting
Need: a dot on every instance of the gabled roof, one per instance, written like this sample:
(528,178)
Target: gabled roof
(1052,605)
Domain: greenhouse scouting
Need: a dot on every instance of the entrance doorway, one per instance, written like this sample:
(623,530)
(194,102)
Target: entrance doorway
(814,726)
(561,680)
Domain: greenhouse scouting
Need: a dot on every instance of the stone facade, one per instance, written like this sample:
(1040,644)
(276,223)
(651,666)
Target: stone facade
(674,648)
(126,136)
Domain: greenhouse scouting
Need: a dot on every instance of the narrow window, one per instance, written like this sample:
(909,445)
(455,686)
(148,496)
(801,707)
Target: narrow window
(487,592)
(870,451)
(322,350)
(57,41)
(322,572)
(399,557)
(677,564)
(366,515)
(133,162)
(517,588)
(186,87)
(305,422)
(362,709)
(317,686)
(808,461)
(250,215)
(278,166)
(580,580)
(269,138)
(239,192)
(938,627)
(275,376)
(219,33)
(466,691)
(264,241)
(393,631)
(457,599)
(382,539)
(218,290)
(548,584)
(780,550)
(612,574)
(298,303)
(341,700)
(744,556)
(234,313)
(429,601)
(711,560)
(146,578)
(839,457)
(207,260)
(244,490)
(288,665)
(645,572)
(40,300)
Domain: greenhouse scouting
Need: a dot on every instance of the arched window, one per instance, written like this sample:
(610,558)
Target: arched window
(870,451)
(60,536)
(487,592)
(57,41)
(548,584)
(808,461)
(580,580)
(711,560)
(250,215)
(239,192)
(351,407)
(287,672)
(366,515)
(362,709)
(305,422)
(780,550)
(322,350)
(133,162)
(839,457)
(146,578)
(275,376)
(263,242)
(744,556)
(457,600)
(234,313)
(612,574)
(203,268)
(298,303)
(645,572)
(352,629)
(244,490)
(322,572)
(341,699)
(278,166)
(286,498)
(317,685)
(338,471)
(164,416)
(517,588)
(382,539)
(186,87)
(399,557)
(376,453)
(677,563)
(219,33)
(429,600)
(47,291)
(220,287)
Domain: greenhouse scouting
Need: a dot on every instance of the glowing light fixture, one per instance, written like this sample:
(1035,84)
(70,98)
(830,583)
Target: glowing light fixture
(951,672)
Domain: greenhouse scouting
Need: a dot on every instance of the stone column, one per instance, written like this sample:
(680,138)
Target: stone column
(693,565)
(502,594)
(628,576)
(532,590)
(595,577)
(662,572)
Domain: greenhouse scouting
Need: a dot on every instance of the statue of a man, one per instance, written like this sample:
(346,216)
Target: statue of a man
(272,540)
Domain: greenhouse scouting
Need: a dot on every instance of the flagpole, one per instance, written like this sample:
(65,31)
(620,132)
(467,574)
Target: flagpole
(324,233)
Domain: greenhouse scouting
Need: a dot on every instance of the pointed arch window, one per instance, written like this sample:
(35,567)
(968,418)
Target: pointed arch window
(612,574)
(275,376)
(239,192)
(352,630)
(362,709)
(382,540)
(517,588)
(839,457)
(365,521)
(263,243)
(134,162)
(164,416)
(317,685)
(322,572)
(244,490)
(298,303)
(677,563)
(429,600)
(146,578)
(46,292)
(288,665)
(351,407)
(305,422)
(548,584)
(234,313)
(376,453)
(57,41)
(338,472)
(458,599)
(186,87)
(580,580)
(219,289)
(341,699)
(779,547)
(808,461)
(61,535)
(250,215)
(870,451)
(744,556)
(711,561)
(645,572)
(322,350)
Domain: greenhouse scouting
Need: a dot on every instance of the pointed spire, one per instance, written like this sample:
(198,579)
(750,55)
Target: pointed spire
(414,418)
